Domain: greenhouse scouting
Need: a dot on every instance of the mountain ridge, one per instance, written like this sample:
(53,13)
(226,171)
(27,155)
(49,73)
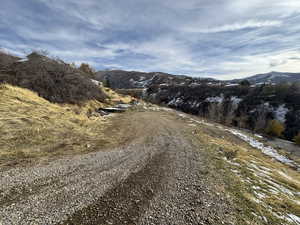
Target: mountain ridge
(121,79)
(272,77)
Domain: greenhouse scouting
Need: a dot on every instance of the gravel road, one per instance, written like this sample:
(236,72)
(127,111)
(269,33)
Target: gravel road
(159,177)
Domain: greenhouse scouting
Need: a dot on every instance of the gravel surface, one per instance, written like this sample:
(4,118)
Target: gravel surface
(159,178)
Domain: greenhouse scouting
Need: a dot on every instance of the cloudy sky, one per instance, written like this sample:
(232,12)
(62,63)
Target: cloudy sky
(209,38)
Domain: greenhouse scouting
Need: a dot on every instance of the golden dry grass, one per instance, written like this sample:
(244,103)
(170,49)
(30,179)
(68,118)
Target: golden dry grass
(116,98)
(32,127)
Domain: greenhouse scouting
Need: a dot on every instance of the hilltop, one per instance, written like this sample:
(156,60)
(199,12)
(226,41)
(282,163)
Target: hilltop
(120,79)
(271,78)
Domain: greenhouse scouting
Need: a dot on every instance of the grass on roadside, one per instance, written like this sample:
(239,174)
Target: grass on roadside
(265,191)
(31,127)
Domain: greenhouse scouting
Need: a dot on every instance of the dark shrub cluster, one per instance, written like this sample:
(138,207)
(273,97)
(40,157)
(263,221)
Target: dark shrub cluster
(6,59)
(52,79)
(297,139)
(255,110)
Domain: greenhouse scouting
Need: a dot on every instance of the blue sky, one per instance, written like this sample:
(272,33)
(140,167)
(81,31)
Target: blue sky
(223,39)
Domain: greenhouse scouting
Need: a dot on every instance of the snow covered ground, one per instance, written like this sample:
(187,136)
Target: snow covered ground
(267,150)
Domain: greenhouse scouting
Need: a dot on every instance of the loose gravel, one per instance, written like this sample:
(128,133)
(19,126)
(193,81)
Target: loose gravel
(159,178)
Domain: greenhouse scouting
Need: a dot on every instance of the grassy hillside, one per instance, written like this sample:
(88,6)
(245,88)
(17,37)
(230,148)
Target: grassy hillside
(31,127)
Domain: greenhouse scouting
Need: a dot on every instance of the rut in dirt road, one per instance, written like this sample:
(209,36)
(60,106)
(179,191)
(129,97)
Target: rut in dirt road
(159,178)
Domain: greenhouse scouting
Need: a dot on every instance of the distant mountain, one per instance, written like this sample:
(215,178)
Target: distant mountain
(120,79)
(272,77)
(227,102)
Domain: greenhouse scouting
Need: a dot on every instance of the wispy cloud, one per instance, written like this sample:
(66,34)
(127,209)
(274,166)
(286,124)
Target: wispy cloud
(218,38)
(237,26)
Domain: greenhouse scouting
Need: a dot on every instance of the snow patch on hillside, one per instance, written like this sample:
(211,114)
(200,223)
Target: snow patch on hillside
(142,82)
(267,150)
(96,82)
(217,99)
(235,100)
(23,60)
(294,218)
(280,113)
(175,102)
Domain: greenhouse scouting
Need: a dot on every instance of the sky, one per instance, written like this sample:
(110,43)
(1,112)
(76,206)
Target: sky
(223,39)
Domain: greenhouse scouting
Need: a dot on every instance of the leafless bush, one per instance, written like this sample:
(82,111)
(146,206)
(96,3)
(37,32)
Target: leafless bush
(52,79)
(6,59)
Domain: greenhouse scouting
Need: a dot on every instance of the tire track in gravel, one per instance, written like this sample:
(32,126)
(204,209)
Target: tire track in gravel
(128,201)
(158,178)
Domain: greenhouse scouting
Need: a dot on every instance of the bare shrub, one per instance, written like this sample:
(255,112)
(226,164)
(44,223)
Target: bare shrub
(52,79)
(6,59)
(275,128)
(297,139)
(87,69)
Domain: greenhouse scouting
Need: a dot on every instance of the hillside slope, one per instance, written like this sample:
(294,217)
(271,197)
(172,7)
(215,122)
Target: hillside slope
(34,128)
(241,106)
(120,79)
(52,79)
(272,77)
(7,59)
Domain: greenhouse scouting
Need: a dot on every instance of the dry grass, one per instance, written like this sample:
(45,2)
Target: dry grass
(265,190)
(33,128)
(117,98)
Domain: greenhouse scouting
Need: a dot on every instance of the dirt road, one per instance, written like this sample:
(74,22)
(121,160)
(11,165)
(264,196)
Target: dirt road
(159,175)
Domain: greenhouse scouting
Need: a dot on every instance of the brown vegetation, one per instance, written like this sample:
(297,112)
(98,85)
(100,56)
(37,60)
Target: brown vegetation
(32,127)
(275,128)
(6,59)
(297,139)
(87,69)
(52,79)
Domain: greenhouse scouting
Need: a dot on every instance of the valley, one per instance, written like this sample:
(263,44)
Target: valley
(72,156)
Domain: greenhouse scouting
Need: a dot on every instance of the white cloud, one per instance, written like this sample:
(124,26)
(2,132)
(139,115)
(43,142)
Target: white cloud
(11,51)
(266,7)
(163,53)
(236,26)
(262,63)
(229,38)
(84,53)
